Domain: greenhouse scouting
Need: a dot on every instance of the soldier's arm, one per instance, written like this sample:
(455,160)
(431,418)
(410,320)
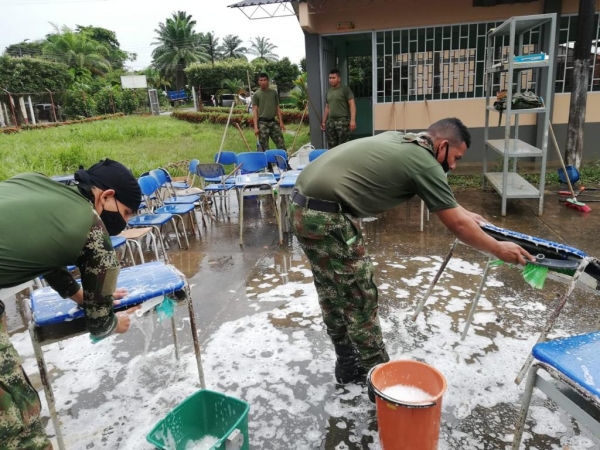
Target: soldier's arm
(352,105)
(280,115)
(99,269)
(255,117)
(325,116)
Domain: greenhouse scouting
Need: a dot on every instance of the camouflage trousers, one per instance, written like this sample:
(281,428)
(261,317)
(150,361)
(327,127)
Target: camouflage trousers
(20,424)
(271,130)
(337,132)
(343,276)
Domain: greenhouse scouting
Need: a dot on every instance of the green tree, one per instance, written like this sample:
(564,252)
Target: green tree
(263,48)
(235,87)
(231,47)
(108,38)
(209,77)
(300,91)
(303,65)
(33,75)
(25,48)
(155,78)
(211,45)
(178,45)
(84,56)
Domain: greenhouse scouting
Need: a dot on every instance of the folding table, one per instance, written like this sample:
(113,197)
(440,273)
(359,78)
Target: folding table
(251,184)
(586,277)
(54,319)
(573,364)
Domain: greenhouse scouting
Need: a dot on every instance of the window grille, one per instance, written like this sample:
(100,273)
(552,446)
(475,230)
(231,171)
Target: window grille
(447,61)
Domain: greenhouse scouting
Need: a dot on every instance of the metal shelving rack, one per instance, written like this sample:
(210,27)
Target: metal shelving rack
(508,183)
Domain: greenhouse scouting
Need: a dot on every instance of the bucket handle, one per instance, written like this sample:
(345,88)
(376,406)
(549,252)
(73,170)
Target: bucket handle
(235,440)
(393,401)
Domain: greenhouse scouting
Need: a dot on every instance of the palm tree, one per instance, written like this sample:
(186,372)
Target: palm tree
(178,46)
(235,87)
(211,45)
(231,47)
(155,79)
(262,48)
(300,92)
(84,56)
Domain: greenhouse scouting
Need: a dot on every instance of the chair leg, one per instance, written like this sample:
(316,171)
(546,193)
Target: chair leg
(159,236)
(195,339)
(525,402)
(241,202)
(486,271)
(174,332)
(435,280)
(129,252)
(39,356)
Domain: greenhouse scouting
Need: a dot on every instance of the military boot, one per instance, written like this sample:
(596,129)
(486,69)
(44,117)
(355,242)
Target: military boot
(348,367)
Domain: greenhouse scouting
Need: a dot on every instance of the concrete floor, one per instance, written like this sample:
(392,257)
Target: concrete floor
(265,289)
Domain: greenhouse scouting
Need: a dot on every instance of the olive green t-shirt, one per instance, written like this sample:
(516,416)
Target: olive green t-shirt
(267,101)
(375,174)
(44,225)
(337,99)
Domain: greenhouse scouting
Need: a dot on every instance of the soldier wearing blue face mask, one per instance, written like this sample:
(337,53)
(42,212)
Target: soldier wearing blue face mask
(45,227)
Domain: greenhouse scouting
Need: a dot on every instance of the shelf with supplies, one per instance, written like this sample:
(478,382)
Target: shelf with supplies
(517,94)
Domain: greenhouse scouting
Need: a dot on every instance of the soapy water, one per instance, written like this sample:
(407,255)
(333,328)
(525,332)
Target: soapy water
(406,394)
(206,443)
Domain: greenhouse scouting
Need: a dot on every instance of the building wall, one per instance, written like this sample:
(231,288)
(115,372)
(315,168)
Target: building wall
(383,14)
(416,115)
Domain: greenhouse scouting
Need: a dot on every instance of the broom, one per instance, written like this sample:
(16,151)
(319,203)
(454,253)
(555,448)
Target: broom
(570,202)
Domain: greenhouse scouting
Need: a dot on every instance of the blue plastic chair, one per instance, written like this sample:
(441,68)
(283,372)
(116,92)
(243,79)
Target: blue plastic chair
(190,178)
(170,195)
(216,172)
(272,159)
(226,157)
(314,154)
(149,185)
(252,162)
(573,363)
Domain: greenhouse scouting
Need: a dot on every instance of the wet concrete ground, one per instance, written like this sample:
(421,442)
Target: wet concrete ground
(264,342)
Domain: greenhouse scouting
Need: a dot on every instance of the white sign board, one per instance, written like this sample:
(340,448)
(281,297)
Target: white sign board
(134,82)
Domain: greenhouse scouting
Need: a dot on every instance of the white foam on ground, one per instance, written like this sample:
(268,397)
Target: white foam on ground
(279,360)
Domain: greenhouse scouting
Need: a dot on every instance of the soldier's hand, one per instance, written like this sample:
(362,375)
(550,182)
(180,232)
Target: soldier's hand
(123,319)
(512,253)
(282,126)
(256,131)
(323,126)
(352,126)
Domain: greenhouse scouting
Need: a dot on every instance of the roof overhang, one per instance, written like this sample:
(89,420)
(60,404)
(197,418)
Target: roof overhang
(266,9)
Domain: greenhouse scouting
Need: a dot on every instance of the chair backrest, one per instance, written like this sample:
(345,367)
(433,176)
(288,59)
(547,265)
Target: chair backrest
(149,185)
(160,176)
(281,163)
(314,154)
(252,162)
(210,170)
(226,157)
(270,154)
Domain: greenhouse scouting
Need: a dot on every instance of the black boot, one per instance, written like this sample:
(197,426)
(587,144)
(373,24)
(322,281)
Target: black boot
(348,367)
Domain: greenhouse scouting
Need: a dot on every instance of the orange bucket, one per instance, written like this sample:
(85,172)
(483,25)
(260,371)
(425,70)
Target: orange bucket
(405,425)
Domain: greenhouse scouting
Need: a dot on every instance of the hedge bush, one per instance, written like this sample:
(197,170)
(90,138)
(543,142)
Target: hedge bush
(241,119)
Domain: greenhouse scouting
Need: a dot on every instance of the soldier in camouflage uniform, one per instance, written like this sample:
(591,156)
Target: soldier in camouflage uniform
(71,232)
(267,117)
(363,178)
(339,118)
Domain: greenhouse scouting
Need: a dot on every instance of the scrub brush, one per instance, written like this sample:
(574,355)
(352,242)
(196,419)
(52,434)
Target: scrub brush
(535,273)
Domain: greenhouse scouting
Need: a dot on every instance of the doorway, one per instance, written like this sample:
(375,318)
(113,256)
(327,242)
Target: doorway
(352,55)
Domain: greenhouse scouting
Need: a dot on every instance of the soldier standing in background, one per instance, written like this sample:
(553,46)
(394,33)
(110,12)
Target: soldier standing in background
(340,109)
(266,114)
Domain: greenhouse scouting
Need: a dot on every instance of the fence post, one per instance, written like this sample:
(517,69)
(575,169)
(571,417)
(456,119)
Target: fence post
(31,110)
(12,107)
(52,103)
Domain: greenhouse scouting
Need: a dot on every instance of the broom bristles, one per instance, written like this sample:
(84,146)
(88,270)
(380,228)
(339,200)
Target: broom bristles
(534,275)
(579,206)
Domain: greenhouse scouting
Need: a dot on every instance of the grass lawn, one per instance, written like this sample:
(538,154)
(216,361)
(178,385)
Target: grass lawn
(142,143)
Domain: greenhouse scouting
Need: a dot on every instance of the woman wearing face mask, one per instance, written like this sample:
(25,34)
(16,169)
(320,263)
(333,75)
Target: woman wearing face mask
(45,227)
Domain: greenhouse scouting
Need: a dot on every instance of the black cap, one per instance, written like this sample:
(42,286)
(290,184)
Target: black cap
(109,174)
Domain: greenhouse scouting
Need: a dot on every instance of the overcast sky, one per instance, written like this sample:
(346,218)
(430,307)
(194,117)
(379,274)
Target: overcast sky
(134,21)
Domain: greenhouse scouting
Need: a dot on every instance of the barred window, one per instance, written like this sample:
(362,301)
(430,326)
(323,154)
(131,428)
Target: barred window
(447,62)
